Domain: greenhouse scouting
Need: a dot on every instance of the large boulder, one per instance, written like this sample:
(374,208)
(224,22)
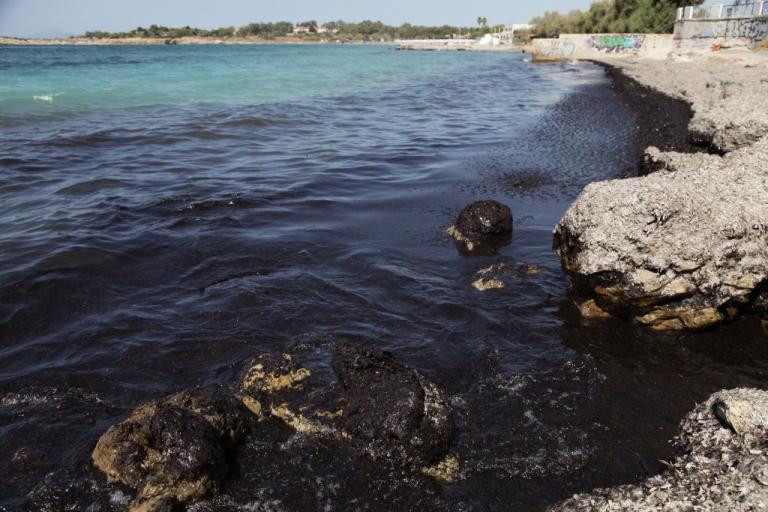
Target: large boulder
(173,451)
(722,463)
(683,248)
(483,227)
(393,413)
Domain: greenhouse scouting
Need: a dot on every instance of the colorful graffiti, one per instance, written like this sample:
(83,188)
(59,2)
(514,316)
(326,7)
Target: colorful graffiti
(617,43)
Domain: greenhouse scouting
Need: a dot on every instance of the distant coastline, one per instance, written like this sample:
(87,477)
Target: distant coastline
(146,41)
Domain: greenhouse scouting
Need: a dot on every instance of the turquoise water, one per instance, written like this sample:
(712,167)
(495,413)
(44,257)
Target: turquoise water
(115,76)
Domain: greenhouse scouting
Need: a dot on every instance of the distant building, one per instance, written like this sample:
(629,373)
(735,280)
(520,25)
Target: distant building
(521,27)
(317,29)
(508,34)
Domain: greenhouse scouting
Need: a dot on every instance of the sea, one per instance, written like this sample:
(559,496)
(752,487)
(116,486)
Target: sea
(167,213)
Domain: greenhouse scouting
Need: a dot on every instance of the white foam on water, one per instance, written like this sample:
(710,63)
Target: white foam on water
(48,98)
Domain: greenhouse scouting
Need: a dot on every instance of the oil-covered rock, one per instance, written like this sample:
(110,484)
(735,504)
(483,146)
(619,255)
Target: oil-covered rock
(721,462)
(392,413)
(482,227)
(173,451)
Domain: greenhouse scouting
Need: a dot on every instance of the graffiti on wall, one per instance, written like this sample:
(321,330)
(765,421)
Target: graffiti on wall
(617,43)
(555,48)
(755,29)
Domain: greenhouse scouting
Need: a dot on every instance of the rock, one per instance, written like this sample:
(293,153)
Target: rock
(489,278)
(483,227)
(446,470)
(274,385)
(174,451)
(590,309)
(683,248)
(492,277)
(393,413)
(488,283)
(270,374)
(722,462)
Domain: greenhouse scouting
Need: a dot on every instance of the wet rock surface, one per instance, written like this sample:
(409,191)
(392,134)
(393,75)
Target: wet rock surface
(392,413)
(494,277)
(177,451)
(174,451)
(721,463)
(483,227)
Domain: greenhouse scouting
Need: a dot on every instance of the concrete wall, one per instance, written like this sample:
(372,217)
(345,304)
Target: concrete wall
(586,46)
(552,50)
(704,33)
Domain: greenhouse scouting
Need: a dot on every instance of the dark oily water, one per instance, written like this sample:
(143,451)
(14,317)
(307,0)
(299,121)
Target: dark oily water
(153,247)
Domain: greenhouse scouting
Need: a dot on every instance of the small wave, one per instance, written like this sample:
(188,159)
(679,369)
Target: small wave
(48,98)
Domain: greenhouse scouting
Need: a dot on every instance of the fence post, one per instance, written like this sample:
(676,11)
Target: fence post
(760,7)
(720,12)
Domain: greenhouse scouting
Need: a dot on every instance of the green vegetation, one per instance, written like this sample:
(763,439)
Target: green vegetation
(333,30)
(613,16)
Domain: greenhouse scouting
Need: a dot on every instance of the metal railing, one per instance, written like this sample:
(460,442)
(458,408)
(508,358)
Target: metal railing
(723,11)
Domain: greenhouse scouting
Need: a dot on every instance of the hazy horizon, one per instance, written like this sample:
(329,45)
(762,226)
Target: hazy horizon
(57,18)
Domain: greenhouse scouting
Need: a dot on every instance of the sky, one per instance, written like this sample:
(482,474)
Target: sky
(57,18)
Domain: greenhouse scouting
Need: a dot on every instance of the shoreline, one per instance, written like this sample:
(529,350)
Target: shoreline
(706,139)
(182,41)
(202,41)
(661,120)
(645,274)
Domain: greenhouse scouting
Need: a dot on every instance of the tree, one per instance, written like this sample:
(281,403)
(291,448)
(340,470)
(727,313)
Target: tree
(614,16)
(552,24)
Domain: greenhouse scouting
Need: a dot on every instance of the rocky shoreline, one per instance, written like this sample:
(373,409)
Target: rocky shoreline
(721,463)
(684,246)
(687,246)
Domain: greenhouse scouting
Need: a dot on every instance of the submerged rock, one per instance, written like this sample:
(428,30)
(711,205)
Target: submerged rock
(382,408)
(393,413)
(174,451)
(493,276)
(276,385)
(722,462)
(683,248)
(483,226)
